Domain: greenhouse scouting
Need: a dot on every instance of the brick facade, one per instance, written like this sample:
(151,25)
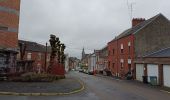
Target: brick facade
(36,52)
(145,36)
(9,23)
(9,26)
(39,60)
(121,55)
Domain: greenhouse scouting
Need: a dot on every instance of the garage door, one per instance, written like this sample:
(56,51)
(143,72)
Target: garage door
(139,72)
(152,70)
(166,74)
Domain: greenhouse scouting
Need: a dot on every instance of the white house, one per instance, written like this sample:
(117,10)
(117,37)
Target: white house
(66,63)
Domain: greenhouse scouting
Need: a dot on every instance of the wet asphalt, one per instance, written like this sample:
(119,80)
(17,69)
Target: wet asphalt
(104,88)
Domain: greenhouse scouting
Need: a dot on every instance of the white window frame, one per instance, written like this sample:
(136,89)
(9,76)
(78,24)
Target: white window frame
(129,43)
(122,60)
(129,61)
(121,46)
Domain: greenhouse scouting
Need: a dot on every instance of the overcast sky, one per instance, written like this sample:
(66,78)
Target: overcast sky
(83,23)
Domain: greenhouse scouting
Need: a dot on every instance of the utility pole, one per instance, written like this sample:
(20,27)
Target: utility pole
(45,57)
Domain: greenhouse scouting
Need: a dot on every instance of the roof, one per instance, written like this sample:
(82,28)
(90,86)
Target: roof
(161,53)
(33,46)
(137,28)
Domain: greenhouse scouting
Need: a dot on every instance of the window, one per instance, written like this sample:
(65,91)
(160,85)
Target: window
(121,50)
(109,63)
(39,56)
(48,57)
(129,61)
(129,49)
(121,47)
(29,56)
(3,28)
(121,60)
(121,63)
(129,67)
(113,51)
(109,53)
(129,44)
(113,65)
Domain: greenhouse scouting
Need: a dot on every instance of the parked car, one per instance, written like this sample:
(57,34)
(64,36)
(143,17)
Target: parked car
(107,72)
(80,70)
(90,72)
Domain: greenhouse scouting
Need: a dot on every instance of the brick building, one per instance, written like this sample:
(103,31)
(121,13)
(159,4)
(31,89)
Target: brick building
(9,25)
(121,54)
(36,52)
(144,37)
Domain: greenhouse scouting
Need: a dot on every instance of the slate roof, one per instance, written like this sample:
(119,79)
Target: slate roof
(160,53)
(33,46)
(137,28)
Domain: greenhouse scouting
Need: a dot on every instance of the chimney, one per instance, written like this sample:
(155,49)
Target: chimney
(136,21)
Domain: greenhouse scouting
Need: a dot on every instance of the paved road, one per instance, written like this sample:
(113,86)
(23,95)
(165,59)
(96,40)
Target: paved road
(104,88)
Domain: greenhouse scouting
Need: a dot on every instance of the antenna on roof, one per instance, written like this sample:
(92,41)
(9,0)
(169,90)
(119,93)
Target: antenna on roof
(130,9)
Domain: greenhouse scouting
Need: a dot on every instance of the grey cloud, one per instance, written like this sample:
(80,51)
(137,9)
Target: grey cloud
(82,23)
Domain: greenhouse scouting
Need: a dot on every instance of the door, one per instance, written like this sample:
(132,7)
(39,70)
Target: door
(166,75)
(139,72)
(152,70)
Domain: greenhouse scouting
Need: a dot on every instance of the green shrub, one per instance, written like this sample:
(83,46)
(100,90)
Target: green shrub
(33,77)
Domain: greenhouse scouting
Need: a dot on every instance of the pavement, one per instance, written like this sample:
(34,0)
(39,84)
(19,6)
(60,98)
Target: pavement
(104,88)
(66,86)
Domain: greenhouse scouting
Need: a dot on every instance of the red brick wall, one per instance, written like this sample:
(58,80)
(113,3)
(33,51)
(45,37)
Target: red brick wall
(117,56)
(8,39)
(14,4)
(112,58)
(35,57)
(11,20)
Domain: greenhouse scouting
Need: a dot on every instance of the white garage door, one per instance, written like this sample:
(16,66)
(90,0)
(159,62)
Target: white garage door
(139,72)
(166,74)
(152,70)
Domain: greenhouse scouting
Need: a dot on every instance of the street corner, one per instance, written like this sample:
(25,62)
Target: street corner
(58,88)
